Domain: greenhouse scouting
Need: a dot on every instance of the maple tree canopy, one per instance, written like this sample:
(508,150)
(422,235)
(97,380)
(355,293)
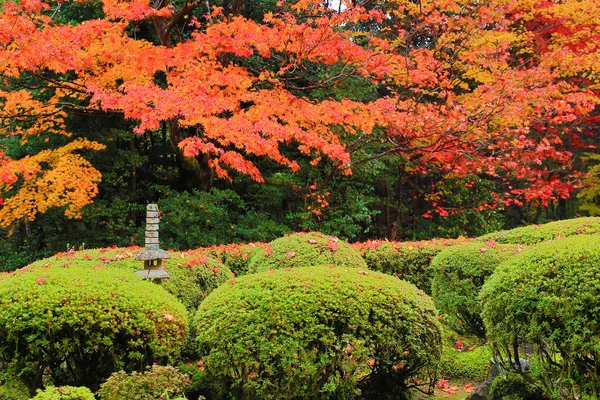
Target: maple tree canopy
(501,89)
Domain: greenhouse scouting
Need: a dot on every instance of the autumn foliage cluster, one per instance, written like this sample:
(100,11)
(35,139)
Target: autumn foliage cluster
(494,96)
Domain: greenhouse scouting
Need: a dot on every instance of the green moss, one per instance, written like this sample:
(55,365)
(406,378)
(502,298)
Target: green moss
(459,272)
(533,234)
(84,323)
(469,360)
(550,296)
(408,260)
(316,332)
(304,250)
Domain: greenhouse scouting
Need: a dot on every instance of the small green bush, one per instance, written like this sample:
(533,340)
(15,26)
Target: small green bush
(533,234)
(459,272)
(549,296)
(14,389)
(155,383)
(468,361)
(236,257)
(305,250)
(407,260)
(316,332)
(193,275)
(509,386)
(75,326)
(64,393)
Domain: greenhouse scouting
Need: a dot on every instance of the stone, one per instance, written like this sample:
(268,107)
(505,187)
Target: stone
(482,392)
(152,220)
(152,227)
(151,234)
(151,240)
(152,207)
(152,214)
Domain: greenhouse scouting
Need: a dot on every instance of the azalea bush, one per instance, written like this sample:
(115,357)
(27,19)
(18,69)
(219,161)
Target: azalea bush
(533,234)
(304,250)
(64,393)
(549,297)
(459,272)
(158,382)
(75,325)
(407,260)
(193,275)
(316,332)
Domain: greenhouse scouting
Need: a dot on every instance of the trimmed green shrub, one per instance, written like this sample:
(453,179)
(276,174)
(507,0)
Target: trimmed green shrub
(236,257)
(64,393)
(550,297)
(193,275)
(509,386)
(316,332)
(155,383)
(75,326)
(463,357)
(538,233)
(305,250)
(459,272)
(407,260)
(14,389)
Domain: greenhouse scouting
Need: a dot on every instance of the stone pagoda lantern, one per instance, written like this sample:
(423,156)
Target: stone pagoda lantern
(152,255)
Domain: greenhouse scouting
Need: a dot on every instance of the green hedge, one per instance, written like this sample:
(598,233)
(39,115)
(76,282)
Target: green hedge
(407,260)
(77,325)
(305,250)
(533,234)
(156,383)
(316,332)
(550,297)
(193,275)
(459,272)
(236,257)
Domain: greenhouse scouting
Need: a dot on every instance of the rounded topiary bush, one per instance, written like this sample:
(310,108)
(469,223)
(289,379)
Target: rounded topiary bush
(75,326)
(549,296)
(305,250)
(316,332)
(156,383)
(463,357)
(514,386)
(538,233)
(64,393)
(459,272)
(408,260)
(193,275)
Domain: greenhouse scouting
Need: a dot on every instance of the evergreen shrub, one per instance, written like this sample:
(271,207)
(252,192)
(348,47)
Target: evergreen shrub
(156,383)
(512,385)
(316,332)
(459,272)
(533,234)
(408,260)
(76,325)
(305,250)
(193,275)
(64,393)
(463,357)
(549,296)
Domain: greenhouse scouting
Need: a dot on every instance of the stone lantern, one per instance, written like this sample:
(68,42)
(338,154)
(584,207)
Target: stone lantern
(152,255)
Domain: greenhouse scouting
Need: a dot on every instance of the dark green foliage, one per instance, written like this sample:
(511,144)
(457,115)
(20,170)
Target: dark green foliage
(513,386)
(193,275)
(553,230)
(64,393)
(199,219)
(468,361)
(77,325)
(305,250)
(549,296)
(155,383)
(459,272)
(408,260)
(317,332)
